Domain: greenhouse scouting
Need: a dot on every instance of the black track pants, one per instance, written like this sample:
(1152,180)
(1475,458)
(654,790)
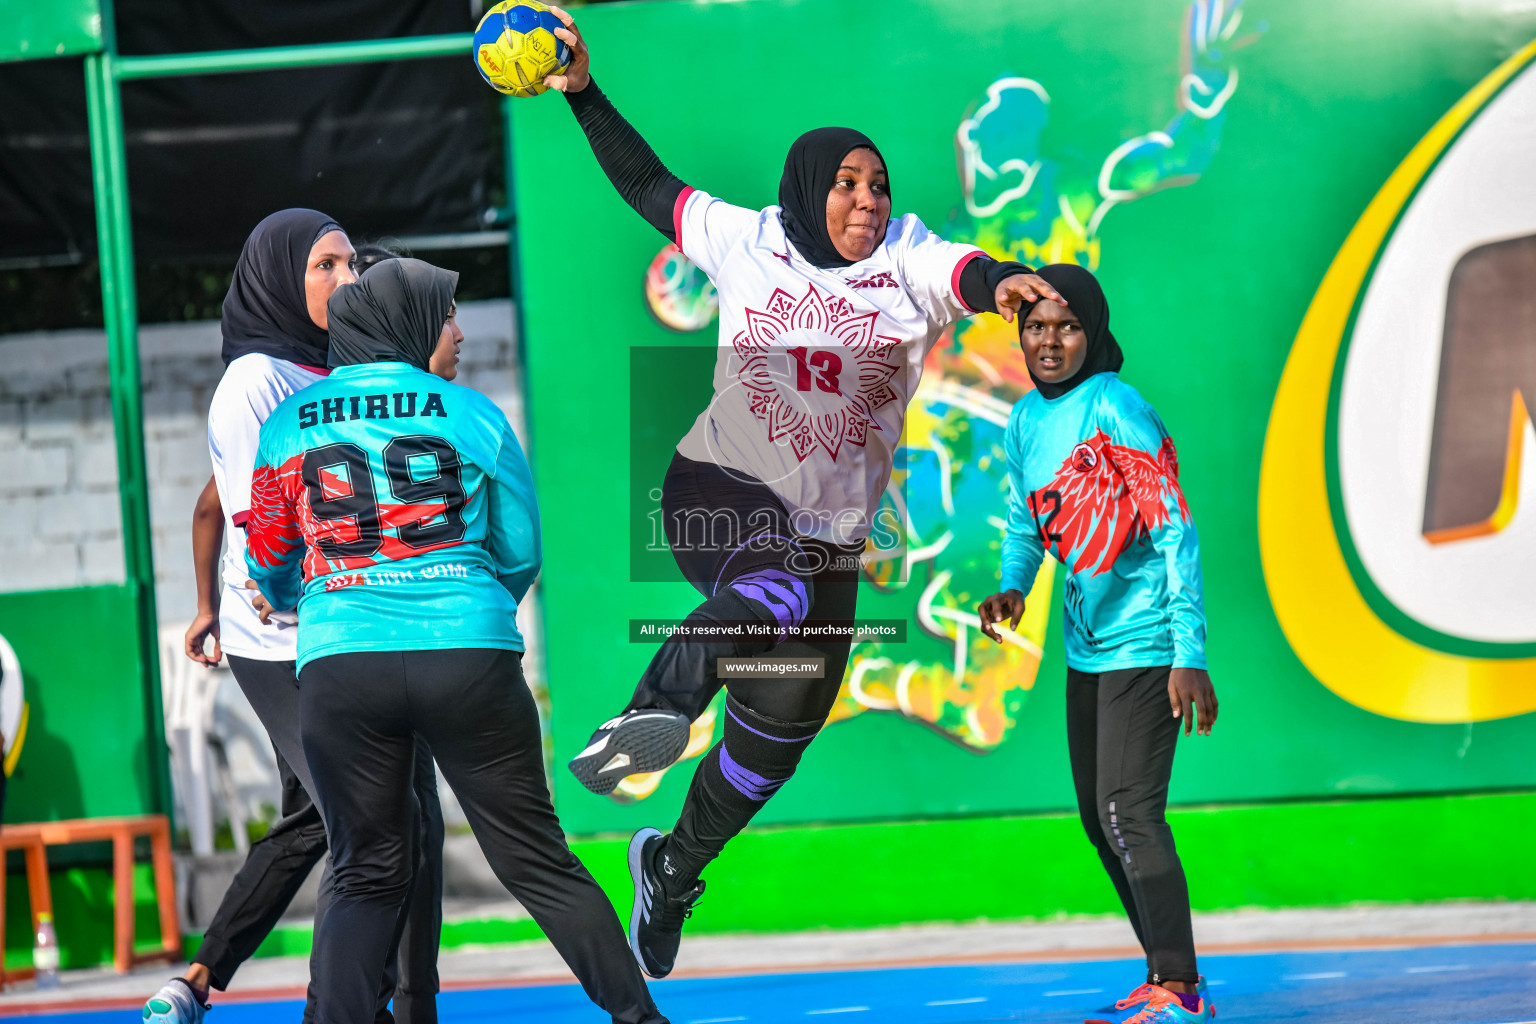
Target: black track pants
(280,862)
(359,714)
(735,542)
(275,869)
(421,929)
(1121,735)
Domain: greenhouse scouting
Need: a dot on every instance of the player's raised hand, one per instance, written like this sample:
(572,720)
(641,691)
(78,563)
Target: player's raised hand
(1191,694)
(1014,291)
(1007,606)
(576,74)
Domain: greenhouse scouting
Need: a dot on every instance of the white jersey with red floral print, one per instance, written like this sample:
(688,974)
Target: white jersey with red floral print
(252,386)
(816,367)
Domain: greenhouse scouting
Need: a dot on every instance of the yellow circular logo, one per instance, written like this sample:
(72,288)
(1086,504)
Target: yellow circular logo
(1397,550)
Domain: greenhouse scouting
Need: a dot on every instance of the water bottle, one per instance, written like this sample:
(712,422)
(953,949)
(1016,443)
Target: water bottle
(45,953)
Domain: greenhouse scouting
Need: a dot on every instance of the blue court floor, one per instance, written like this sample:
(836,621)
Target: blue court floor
(1453,984)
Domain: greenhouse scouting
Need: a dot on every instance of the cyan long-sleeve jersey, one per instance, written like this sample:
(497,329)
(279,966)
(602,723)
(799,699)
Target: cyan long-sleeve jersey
(1093,478)
(396,511)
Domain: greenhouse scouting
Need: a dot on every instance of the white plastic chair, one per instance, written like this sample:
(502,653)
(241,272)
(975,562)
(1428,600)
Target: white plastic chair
(199,763)
(14,711)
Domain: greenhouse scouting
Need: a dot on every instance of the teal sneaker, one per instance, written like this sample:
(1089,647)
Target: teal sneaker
(175,1003)
(1153,1004)
(1204,992)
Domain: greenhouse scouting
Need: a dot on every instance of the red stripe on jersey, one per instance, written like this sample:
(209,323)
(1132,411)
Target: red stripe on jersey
(391,548)
(677,215)
(240,518)
(324,371)
(954,279)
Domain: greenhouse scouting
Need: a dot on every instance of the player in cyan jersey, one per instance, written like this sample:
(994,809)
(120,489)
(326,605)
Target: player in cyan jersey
(828,306)
(1094,480)
(396,511)
(275,343)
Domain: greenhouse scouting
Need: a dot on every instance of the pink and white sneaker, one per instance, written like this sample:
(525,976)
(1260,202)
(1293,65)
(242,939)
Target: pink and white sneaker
(1153,1004)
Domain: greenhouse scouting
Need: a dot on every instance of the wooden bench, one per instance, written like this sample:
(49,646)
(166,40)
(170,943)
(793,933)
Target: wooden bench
(34,838)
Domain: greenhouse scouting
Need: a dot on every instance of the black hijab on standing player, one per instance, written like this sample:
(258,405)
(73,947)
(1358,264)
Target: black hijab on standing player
(810,171)
(265,310)
(1086,300)
(371,254)
(394,313)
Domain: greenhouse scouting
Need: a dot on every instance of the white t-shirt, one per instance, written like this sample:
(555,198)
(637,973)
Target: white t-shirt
(816,367)
(252,386)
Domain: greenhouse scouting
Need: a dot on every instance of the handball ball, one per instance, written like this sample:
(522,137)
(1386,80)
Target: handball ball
(515,47)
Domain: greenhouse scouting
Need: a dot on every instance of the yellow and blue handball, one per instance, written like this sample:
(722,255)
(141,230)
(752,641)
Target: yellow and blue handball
(515,47)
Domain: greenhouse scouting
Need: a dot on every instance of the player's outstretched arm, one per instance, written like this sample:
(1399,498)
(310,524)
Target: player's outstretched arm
(1146,458)
(275,544)
(951,281)
(513,537)
(207,539)
(1023,550)
(631,165)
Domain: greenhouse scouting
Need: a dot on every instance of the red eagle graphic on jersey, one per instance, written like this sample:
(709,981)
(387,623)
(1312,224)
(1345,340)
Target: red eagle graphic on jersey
(1104,498)
(816,370)
(272,532)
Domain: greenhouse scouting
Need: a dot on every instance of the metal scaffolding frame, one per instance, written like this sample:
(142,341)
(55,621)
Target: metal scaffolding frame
(105,70)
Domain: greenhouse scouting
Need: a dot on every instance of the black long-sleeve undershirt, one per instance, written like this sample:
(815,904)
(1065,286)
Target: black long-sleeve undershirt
(646,185)
(634,168)
(980,278)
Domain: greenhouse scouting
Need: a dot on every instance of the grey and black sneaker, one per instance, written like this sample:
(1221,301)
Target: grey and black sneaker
(644,740)
(656,922)
(175,1003)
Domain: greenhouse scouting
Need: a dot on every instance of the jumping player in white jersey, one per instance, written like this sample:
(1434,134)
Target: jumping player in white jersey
(274,344)
(828,307)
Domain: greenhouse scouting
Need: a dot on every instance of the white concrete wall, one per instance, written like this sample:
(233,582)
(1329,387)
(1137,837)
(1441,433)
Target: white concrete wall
(59,511)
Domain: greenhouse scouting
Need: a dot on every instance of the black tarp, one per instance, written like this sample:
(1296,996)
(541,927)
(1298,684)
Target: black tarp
(409,147)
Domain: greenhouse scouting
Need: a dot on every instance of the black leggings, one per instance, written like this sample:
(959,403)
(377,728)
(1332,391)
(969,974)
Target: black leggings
(360,711)
(1121,736)
(280,862)
(732,538)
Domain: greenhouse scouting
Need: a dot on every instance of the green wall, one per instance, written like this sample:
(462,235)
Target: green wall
(1305,854)
(85,752)
(1209,283)
(1016,868)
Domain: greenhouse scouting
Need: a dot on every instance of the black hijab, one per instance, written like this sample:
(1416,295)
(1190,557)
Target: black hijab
(1086,300)
(264,310)
(810,171)
(394,313)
